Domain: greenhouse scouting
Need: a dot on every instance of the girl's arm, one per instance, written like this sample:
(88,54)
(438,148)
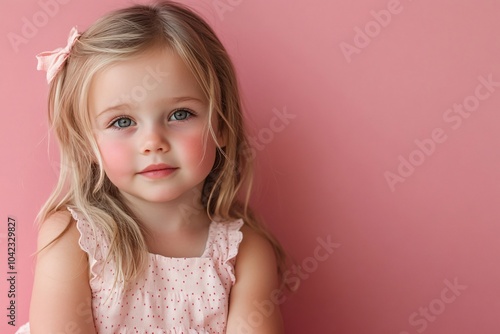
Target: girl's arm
(253,302)
(61,299)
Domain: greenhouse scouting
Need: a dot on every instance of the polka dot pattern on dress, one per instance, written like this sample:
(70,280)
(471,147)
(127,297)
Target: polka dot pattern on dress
(176,295)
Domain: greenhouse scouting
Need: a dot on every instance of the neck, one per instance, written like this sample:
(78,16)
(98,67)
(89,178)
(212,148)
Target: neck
(186,211)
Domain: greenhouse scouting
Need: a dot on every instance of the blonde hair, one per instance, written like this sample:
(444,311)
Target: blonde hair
(82,182)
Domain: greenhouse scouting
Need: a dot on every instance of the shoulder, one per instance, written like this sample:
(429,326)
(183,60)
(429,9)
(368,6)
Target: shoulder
(59,226)
(58,243)
(256,249)
(256,261)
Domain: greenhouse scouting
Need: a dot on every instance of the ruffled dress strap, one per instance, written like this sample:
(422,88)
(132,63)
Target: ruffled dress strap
(92,241)
(223,245)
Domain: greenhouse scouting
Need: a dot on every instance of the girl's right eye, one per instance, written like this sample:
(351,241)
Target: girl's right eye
(122,123)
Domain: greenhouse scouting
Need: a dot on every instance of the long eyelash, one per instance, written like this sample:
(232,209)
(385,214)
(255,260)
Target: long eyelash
(189,111)
(113,121)
(183,109)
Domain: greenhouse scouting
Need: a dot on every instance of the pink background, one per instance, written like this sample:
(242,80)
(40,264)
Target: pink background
(322,173)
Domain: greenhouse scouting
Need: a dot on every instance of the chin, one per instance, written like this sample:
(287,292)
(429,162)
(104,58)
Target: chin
(161,197)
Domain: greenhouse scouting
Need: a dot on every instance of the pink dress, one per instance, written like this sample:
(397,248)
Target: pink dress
(176,295)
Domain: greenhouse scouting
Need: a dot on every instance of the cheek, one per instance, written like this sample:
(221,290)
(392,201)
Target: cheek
(116,156)
(199,150)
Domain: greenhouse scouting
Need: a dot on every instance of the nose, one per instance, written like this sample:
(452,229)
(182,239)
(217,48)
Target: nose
(154,141)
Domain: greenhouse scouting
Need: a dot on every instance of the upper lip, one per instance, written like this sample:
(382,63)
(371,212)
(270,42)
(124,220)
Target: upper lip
(156,167)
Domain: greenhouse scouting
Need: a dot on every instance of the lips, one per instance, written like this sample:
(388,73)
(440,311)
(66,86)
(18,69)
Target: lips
(157,170)
(152,168)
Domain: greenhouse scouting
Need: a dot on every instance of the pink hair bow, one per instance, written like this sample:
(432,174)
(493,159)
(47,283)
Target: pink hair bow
(52,61)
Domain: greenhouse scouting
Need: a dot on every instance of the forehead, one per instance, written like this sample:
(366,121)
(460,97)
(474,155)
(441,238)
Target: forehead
(158,74)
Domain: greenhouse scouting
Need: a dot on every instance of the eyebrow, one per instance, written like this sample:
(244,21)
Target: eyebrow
(186,98)
(113,108)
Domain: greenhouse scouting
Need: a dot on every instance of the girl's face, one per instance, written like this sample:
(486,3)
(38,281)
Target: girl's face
(150,120)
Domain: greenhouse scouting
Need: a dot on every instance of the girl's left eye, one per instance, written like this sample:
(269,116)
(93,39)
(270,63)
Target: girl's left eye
(123,122)
(180,115)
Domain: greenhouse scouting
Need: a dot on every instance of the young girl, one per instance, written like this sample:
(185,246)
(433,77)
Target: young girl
(148,229)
